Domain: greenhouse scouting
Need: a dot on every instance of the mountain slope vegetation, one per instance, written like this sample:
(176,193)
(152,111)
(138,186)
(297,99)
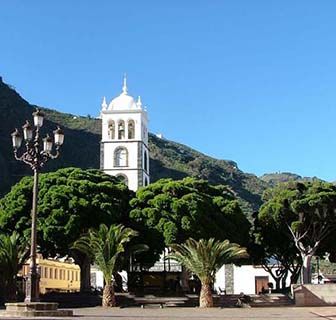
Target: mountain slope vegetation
(82,149)
(272,179)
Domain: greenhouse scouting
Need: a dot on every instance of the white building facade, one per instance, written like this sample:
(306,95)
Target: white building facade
(249,279)
(124,145)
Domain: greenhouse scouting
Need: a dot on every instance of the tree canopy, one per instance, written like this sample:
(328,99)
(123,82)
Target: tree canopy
(70,201)
(305,213)
(186,208)
(276,251)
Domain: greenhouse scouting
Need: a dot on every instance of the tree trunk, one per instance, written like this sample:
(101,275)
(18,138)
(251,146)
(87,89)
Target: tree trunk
(11,290)
(276,278)
(2,289)
(295,274)
(85,283)
(184,280)
(277,283)
(206,300)
(306,268)
(295,277)
(84,263)
(284,280)
(109,296)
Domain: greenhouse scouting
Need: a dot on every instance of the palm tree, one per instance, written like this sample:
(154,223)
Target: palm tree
(204,258)
(105,246)
(12,256)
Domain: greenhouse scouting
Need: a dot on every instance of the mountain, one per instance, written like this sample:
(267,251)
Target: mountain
(81,149)
(272,179)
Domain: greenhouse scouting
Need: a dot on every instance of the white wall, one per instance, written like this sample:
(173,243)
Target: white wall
(244,278)
(132,176)
(220,279)
(132,149)
(99,283)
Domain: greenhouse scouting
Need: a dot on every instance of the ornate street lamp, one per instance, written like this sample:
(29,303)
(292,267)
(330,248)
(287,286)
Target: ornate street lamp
(35,156)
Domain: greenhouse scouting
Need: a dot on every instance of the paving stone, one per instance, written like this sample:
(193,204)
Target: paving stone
(136,313)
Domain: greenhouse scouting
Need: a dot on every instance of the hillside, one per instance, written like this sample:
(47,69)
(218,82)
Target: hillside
(272,179)
(81,149)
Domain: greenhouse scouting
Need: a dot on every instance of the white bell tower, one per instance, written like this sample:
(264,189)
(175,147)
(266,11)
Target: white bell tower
(124,145)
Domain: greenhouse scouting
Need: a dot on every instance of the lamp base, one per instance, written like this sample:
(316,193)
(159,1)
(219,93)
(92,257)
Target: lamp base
(36,309)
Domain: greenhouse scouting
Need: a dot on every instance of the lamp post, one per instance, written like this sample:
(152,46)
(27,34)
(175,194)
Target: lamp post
(35,156)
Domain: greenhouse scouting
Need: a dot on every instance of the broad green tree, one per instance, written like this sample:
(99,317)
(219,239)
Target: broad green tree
(13,253)
(70,201)
(276,251)
(204,258)
(105,246)
(186,208)
(306,214)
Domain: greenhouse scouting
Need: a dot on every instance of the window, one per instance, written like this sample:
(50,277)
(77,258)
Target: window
(56,274)
(121,157)
(122,178)
(46,272)
(131,127)
(51,273)
(145,161)
(146,182)
(111,130)
(121,129)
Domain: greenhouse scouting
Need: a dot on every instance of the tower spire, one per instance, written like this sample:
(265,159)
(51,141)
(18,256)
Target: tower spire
(104,104)
(124,88)
(139,103)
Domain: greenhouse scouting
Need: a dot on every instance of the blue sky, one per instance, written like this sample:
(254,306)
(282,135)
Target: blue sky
(250,81)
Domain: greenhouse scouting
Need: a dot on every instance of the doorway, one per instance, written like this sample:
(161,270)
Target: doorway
(261,284)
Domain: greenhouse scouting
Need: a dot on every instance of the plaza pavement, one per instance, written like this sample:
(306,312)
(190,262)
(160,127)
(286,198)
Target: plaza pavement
(293,313)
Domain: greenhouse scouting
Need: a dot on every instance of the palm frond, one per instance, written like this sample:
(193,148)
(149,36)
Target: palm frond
(105,245)
(205,257)
(13,254)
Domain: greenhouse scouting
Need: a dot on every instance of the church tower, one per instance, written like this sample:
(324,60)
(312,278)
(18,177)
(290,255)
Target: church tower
(124,146)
